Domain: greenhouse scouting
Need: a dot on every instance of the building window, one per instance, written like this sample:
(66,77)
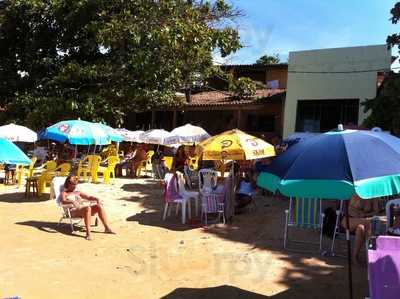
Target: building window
(325,115)
(260,122)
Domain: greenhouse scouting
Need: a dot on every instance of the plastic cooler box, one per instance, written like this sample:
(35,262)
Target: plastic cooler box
(384,268)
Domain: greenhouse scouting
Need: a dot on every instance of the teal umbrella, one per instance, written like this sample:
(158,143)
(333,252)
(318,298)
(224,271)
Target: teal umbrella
(337,165)
(78,132)
(12,154)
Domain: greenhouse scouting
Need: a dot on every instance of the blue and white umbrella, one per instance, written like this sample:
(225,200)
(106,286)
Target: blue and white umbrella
(112,133)
(12,154)
(78,132)
(298,137)
(337,165)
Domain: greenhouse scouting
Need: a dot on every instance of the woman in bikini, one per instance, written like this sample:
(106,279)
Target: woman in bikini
(360,213)
(84,206)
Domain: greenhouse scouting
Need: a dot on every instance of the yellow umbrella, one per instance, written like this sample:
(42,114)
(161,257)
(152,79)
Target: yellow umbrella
(235,145)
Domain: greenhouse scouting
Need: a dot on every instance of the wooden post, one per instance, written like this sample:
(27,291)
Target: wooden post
(153,119)
(239,118)
(174,119)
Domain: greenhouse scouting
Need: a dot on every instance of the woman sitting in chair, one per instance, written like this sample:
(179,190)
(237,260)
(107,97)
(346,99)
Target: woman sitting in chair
(360,213)
(139,157)
(84,206)
(245,191)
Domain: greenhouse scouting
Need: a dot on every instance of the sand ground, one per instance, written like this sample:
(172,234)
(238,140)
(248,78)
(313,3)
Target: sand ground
(149,258)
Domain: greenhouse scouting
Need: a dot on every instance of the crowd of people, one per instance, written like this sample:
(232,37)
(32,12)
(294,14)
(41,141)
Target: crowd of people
(181,159)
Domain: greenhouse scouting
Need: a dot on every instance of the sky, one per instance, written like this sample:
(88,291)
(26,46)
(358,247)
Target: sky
(281,26)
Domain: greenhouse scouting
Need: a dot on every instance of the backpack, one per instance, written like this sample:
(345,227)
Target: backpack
(329,222)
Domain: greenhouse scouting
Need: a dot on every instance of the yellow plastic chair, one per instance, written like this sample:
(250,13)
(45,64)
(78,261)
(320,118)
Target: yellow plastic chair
(47,176)
(63,169)
(193,163)
(93,166)
(168,160)
(30,168)
(110,150)
(93,163)
(149,155)
(19,173)
(141,168)
(48,166)
(108,171)
(22,171)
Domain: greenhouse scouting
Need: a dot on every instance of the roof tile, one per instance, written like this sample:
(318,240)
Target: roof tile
(218,98)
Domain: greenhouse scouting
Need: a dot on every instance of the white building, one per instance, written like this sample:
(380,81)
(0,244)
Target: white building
(326,87)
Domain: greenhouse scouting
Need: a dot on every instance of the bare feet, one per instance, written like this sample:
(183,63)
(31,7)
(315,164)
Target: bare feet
(88,237)
(109,231)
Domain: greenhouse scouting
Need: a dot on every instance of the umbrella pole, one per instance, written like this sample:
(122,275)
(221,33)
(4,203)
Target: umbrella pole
(76,150)
(349,250)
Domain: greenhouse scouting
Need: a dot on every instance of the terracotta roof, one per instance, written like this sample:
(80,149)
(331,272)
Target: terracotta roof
(281,64)
(218,98)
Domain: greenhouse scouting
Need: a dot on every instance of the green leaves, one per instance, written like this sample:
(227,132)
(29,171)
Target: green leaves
(268,59)
(385,108)
(101,59)
(241,88)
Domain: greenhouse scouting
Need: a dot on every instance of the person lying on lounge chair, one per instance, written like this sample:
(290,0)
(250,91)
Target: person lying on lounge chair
(85,206)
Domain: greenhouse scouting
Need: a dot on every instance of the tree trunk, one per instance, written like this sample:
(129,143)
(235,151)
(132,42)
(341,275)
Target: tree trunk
(188,94)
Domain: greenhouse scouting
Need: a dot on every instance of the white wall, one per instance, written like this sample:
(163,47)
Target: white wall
(347,85)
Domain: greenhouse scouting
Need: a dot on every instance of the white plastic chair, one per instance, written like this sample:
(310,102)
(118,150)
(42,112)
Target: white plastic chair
(172,196)
(394,202)
(187,195)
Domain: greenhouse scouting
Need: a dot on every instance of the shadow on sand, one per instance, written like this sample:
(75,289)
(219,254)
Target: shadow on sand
(224,291)
(307,269)
(19,197)
(53,227)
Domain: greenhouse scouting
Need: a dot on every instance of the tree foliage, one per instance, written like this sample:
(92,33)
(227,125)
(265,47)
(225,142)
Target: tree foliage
(268,59)
(394,39)
(241,88)
(101,59)
(385,108)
